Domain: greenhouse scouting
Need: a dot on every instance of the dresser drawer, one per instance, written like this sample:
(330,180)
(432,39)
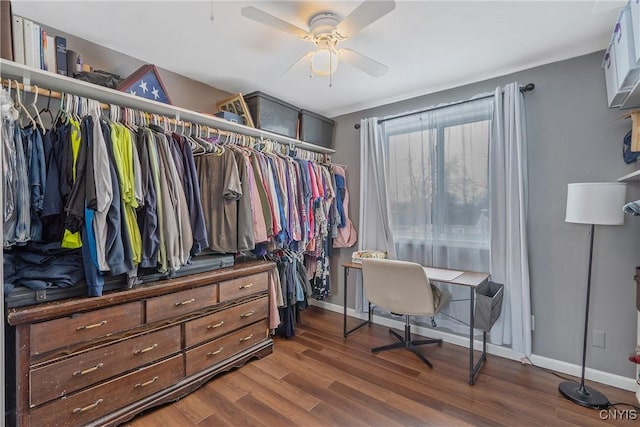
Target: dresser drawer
(72,374)
(91,404)
(222,322)
(82,327)
(243,286)
(179,303)
(214,352)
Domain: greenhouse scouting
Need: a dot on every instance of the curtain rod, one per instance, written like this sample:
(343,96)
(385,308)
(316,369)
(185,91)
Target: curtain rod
(526,88)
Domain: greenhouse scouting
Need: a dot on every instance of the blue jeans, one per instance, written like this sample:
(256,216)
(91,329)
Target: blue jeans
(37,177)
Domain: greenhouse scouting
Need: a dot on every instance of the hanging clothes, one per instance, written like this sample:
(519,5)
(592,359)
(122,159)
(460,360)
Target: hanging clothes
(218,173)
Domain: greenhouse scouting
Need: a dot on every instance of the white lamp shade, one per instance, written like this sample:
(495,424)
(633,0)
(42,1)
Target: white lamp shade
(598,203)
(324,62)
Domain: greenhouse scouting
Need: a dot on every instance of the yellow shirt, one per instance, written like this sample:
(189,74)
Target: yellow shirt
(123,157)
(72,240)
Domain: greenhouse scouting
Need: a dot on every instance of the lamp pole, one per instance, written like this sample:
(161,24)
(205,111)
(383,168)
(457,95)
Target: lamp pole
(582,394)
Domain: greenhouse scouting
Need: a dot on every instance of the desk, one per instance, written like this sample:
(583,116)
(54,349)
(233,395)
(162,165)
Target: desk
(470,279)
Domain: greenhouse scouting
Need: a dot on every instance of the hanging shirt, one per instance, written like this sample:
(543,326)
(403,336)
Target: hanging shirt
(104,190)
(178,204)
(123,150)
(192,193)
(259,226)
(78,178)
(147,215)
(246,240)
(220,181)
(262,194)
(154,166)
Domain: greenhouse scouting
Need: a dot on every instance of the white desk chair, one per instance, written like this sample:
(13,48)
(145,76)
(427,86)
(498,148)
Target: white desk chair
(402,288)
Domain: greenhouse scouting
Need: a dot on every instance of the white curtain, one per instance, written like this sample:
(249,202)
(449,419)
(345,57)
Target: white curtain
(508,183)
(375,225)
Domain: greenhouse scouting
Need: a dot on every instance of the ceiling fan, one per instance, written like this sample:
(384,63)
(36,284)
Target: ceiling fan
(326,30)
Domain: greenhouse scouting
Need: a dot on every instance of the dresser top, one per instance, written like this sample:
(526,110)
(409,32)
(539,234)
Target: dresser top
(44,311)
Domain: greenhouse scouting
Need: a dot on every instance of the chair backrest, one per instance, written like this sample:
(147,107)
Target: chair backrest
(398,286)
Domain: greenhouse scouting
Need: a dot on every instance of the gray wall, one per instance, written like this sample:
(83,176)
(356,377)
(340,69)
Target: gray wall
(572,137)
(184,92)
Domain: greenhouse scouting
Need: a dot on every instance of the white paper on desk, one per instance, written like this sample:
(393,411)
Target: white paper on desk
(440,274)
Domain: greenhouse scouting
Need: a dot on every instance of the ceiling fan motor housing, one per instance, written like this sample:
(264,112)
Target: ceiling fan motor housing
(323,26)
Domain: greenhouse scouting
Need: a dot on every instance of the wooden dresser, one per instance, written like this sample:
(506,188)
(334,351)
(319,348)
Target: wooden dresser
(100,361)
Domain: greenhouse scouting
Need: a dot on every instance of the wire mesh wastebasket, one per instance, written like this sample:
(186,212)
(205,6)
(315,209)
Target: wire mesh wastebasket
(488,306)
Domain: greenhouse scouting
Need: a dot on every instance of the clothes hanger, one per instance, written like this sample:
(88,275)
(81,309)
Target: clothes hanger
(20,106)
(35,108)
(48,110)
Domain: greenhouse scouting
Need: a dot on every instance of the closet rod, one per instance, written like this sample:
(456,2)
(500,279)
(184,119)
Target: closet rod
(526,88)
(58,95)
(48,80)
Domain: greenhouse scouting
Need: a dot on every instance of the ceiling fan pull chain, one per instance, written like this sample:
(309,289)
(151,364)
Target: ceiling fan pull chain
(330,68)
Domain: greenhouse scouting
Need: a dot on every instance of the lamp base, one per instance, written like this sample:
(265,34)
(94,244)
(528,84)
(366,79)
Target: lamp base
(587,397)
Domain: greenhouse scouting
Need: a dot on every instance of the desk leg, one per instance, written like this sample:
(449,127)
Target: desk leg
(346,331)
(475,369)
(344,291)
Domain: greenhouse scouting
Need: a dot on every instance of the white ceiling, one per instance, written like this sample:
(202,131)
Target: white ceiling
(428,45)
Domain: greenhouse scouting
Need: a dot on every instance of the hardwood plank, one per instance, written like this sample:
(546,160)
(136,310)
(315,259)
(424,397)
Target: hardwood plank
(214,420)
(390,411)
(230,413)
(319,378)
(266,414)
(409,388)
(274,399)
(279,387)
(273,365)
(349,352)
(224,388)
(168,415)
(350,403)
(196,407)
(343,409)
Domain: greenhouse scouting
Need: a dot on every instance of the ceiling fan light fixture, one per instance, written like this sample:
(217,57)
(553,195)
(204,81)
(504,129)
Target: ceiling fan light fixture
(324,62)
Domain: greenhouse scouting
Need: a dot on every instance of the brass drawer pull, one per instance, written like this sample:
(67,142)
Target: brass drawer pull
(87,408)
(213,353)
(144,350)
(88,371)
(151,381)
(189,301)
(95,325)
(246,286)
(246,338)
(248,314)
(217,325)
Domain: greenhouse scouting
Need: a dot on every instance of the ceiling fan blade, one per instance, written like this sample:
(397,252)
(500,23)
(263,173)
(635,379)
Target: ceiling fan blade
(270,20)
(367,13)
(361,62)
(304,57)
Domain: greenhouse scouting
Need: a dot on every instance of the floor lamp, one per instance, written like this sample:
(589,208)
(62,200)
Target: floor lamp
(594,203)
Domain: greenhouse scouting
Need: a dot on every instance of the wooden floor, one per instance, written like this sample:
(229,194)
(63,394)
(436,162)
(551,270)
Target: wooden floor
(318,378)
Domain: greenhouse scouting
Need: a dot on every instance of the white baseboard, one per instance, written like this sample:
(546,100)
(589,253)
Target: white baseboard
(496,350)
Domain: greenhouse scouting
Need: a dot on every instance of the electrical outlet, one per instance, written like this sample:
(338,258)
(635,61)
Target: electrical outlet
(597,338)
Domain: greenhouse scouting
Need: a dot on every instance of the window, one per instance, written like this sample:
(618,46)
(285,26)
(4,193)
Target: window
(438,176)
